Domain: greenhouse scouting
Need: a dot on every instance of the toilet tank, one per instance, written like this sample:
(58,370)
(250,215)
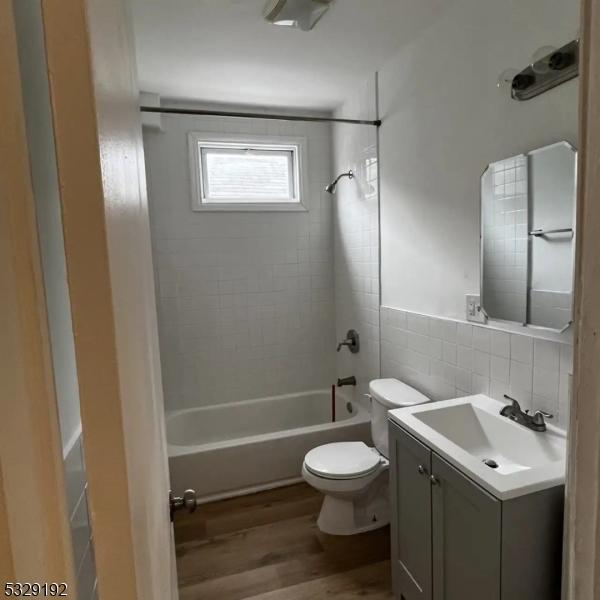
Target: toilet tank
(386,395)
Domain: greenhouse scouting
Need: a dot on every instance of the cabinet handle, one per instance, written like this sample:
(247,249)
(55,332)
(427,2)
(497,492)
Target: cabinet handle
(422,470)
(434,480)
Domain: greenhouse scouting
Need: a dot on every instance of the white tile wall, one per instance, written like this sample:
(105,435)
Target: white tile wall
(446,359)
(245,300)
(356,235)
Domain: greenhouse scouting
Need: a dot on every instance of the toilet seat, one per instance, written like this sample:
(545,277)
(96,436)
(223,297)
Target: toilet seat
(342,460)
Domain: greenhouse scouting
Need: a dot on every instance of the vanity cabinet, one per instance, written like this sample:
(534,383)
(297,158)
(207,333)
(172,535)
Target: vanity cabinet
(452,540)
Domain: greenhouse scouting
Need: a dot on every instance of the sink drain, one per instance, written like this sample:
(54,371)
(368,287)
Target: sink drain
(491,463)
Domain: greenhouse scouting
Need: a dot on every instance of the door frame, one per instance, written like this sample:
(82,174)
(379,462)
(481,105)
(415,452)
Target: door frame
(98,135)
(99,153)
(582,552)
(35,544)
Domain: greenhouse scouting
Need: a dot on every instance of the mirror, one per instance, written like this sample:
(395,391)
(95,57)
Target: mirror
(527,237)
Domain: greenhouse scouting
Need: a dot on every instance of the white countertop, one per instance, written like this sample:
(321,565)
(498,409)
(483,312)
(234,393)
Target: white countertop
(466,431)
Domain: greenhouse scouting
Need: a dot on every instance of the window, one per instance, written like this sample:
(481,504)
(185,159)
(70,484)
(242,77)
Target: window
(253,173)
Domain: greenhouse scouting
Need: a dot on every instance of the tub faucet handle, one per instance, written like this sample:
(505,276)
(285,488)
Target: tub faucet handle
(352,341)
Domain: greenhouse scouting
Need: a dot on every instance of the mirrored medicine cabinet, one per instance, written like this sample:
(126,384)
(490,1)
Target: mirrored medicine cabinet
(528,237)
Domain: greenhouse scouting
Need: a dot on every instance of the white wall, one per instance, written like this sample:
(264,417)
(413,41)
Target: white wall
(356,235)
(444,120)
(245,300)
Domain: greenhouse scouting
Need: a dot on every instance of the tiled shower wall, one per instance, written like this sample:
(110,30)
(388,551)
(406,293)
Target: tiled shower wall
(245,300)
(356,239)
(445,359)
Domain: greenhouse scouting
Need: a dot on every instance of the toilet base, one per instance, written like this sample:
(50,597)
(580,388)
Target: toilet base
(357,514)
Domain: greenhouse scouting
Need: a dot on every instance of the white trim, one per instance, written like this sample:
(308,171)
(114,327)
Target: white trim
(295,144)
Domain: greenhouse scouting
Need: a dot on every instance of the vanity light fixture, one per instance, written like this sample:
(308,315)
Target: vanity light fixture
(540,61)
(549,68)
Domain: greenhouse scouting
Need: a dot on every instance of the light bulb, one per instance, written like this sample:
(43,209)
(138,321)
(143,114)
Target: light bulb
(541,58)
(505,79)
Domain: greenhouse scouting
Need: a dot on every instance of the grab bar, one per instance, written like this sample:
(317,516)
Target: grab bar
(539,232)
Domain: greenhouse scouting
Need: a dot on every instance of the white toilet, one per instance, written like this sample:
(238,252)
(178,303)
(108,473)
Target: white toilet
(353,476)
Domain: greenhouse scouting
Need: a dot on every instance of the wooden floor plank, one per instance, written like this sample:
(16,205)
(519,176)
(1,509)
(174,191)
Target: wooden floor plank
(240,513)
(246,550)
(267,546)
(371,581)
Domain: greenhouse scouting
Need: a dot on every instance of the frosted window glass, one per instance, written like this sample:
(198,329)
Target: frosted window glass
(247,176)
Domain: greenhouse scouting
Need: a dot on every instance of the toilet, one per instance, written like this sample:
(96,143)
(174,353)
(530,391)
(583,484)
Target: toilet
(353,476)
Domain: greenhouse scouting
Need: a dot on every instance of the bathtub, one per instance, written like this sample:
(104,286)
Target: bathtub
(238,448)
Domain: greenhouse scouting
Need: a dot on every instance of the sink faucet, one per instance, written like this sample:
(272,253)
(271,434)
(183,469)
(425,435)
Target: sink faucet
(514,413)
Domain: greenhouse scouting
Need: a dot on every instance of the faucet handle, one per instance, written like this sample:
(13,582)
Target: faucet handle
(515,404)
(540,415)
(352,341)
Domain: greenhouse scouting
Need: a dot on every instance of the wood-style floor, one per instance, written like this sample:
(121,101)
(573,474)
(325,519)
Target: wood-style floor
(267,547)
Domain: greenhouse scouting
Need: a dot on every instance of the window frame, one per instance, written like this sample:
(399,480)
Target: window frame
(296,145)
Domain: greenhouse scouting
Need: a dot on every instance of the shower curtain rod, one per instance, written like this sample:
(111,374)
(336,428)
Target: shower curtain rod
(248,115)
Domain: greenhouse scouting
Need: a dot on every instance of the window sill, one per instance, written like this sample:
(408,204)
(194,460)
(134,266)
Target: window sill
(267,207)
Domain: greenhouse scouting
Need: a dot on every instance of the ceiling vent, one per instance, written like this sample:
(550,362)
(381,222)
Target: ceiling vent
(300,14)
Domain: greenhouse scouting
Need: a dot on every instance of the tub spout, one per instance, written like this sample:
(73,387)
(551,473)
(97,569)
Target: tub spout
(346,381)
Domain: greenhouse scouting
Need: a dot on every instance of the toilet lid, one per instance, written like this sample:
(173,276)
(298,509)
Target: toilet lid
(343,460)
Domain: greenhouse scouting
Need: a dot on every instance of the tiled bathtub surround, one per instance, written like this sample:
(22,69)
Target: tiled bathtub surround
(445,359)
(245,300)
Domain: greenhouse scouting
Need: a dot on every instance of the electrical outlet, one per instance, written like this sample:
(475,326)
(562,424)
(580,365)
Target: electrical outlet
(474,311)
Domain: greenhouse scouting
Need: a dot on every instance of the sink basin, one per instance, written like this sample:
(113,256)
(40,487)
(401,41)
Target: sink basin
(505,458)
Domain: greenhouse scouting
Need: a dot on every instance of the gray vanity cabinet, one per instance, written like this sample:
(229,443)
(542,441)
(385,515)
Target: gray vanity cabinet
(411,516)
(466,537)
(452,540)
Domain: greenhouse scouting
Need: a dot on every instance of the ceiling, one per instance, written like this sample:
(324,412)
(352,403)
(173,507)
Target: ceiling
(222,51)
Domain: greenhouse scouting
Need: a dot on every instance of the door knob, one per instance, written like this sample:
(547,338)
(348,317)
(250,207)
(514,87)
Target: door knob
(422,470)
(186,502)
(434,480)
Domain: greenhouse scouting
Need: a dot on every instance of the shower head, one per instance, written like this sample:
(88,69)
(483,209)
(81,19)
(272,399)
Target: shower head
(330,189)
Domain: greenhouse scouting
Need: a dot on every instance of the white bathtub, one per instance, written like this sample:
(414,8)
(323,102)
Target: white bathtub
(231,449)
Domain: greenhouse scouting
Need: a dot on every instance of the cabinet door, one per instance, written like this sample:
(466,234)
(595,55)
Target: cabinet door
(466,537)
(411,516)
